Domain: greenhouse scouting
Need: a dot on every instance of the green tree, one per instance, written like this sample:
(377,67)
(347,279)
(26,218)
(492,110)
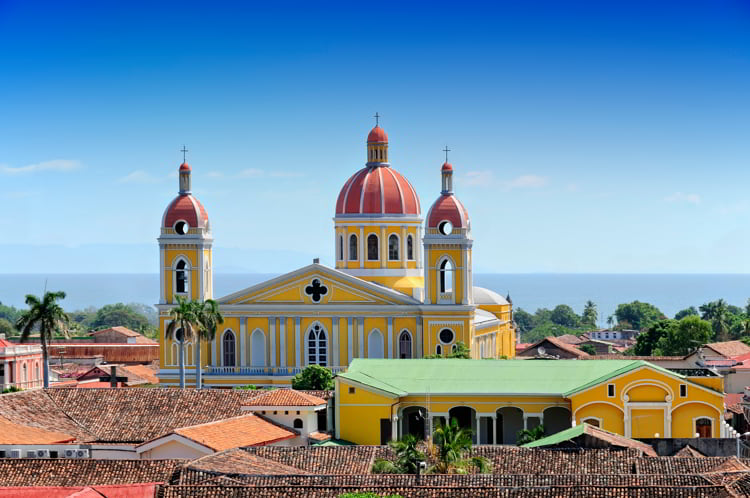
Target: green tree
(717,312)
(6,328)
(638,315)
(565,316)
(691,311)
(113,315)
(208,317)
(313,378)
(684,336)
(47,315)
(590,313)
(407,457)
(182,328)
(610,321)
(452,449)
(588,348)
(648,339)
(526,436)
(9,313)
(524,320)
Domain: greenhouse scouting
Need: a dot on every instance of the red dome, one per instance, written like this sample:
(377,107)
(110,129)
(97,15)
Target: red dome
(378,190)
(377,135)
(184,167)
(447,167)
(448,207)
(185,207)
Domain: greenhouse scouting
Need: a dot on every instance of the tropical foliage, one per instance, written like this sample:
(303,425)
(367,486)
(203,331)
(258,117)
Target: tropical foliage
(182,328)
(208,317)
(407,457)
(314,378)
(48,317)
(529,435)
(637,315)
(462,351)
(452,451)
(555,322)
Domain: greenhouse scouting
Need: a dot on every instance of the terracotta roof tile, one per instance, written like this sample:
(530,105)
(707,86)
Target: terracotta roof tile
(688,452)
(729,349)
(285,397)
(82,472)
(733,402)
(246,430)
(235,461)
(561,345)
(141,372)
(13,433)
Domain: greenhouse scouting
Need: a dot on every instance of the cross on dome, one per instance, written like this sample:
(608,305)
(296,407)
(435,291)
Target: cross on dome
(446,150)
(377,119)
(184,151)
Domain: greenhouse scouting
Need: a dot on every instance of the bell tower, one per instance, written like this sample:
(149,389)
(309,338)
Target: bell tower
(185,244)
(447,247)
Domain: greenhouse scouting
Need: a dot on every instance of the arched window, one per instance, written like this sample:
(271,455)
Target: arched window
(446,275)
(353,256)
(439,350)
(317,350)
(181,277)
(393,247)
(404,345)
(258,344)
(227,343)
(592,421)
(375,344)
(341,247)
(409,247)
(372,247)
(297,423)
(703,427)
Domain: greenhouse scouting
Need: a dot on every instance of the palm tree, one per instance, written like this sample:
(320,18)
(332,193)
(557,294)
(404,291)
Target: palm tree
(716,312)
(49,317)
(610,321)
(453,445)
(208,317)
(529,435)
(408,457)
(590,314)
(182,328)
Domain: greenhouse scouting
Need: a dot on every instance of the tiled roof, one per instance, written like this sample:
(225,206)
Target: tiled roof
(122,330)
(140,372)
(688,452)
(82,472)
(561,345)
(12,433)
(569,339)
(34,408)
(285,397)
(603,439)
(234,461)
(246,430)
(733,401)
(139,490)
(729,349)
(627,357)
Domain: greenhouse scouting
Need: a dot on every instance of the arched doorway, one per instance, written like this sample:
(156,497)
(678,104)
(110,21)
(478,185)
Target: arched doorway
(413,421)
(509,424)
(258,349)
(556,419)
(466,418)
(704,427)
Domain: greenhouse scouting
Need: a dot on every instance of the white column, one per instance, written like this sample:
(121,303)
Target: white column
(418,246)
(296,341)
(464,278)
(214,349)
(361,335)
(383,248)
(335,333)
(243,353)
(403,246)
(161,275)
(479,428)
(394,428)
(390,337)
(350,339)
(272,332)
(201,273)
(345,234)
(362,244)
(427,272)
(282,341)
(419,338)
(494,428)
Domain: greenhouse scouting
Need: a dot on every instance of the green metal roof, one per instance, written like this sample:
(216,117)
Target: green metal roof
(557,438)
(513,377)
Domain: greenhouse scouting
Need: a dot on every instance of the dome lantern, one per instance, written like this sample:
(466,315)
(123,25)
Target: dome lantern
(377,145)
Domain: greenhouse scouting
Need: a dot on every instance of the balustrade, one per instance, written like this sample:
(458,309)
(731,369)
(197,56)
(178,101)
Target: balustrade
(262,371)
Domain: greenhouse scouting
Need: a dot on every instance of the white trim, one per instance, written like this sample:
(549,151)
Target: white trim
(389,339)
(350,339)
(362,192)
(282,341)
(361,335)
(598,402)
(297,338)
(400,192)
(335,322)
(384,272)
(695,426)
(411,341)
(599,421)
(614,390)
(243,348)
(348,253)
(155,443)
(367,243)
(362,244)
(398,247)
(325,333)
(272,335)
(188,272)
(252,348)
(382,189)
(221,341)
(162,283)
(698,402)
(449,342)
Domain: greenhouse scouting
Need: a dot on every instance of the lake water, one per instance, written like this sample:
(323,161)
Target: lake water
(668,292)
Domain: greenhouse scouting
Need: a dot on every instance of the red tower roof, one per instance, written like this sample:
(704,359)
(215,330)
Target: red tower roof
(378,190)
(448,207)
(184,167)
(185,207)
(447,167)
(377,135)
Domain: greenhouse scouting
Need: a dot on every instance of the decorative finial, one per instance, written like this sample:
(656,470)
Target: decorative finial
(184,154)
(377,120)
(446,150)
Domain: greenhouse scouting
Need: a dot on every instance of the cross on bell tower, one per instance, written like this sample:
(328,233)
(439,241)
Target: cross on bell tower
(184,151)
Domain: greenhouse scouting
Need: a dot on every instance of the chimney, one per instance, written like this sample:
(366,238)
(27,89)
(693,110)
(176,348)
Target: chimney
(113,376)
(316,261)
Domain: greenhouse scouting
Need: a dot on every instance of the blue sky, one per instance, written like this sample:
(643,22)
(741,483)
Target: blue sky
(586,136)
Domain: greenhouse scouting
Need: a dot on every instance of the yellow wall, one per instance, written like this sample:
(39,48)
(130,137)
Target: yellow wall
(359,414)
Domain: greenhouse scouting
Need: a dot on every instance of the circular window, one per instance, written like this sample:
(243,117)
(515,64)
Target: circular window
(181,227)
(445,227)
(446,336)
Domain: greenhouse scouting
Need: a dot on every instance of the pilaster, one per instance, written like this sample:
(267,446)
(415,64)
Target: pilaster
(297,333)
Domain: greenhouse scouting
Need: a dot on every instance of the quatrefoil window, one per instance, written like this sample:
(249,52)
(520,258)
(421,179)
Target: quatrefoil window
(316,290)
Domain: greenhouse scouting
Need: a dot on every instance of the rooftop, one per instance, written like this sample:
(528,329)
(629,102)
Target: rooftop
(602,436)
(729,349)
(246,430)
(285,397)
(82,472)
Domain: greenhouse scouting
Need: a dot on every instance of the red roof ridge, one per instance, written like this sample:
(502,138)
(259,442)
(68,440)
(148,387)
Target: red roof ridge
(271,398)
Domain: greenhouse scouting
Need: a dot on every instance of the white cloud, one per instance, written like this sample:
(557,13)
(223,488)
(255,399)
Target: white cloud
(251,173)
(60,165)
(526,181)
(682,197)
(473,178)
(138,176)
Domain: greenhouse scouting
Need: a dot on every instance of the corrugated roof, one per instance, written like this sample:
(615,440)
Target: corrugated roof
(595,432)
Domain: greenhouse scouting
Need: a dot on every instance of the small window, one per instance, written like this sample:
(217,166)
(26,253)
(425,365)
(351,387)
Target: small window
(611,390)
(286,412)
(446,336)
(181,277)
(352,390)
(372,247)
(353,256)
(439,350)
(298,423)
(341,247)
(591,421)
(683,390)
(409,248)
(181,227)
(445,227)
(454,348)
(393,247)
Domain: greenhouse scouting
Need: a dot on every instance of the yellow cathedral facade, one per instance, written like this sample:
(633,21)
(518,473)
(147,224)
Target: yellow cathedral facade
(402,287)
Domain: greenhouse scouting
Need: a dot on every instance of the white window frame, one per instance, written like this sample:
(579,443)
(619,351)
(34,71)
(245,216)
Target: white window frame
(367,247)
(188,273)
(349,245)
(413,249)
(398,247)
(221,340)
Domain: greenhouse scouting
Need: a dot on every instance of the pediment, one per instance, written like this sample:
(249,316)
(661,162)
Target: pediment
(317,285)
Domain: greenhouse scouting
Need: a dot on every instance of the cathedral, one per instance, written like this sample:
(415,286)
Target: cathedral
(402,286)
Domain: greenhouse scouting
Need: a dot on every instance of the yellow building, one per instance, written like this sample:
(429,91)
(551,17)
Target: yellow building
(401,287)
(378,400)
